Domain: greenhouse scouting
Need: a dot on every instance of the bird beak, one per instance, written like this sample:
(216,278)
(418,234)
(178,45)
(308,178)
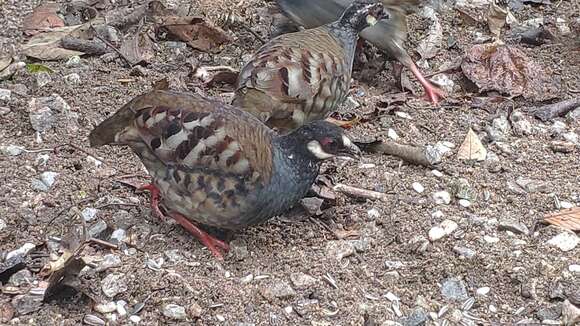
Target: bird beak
(350,151)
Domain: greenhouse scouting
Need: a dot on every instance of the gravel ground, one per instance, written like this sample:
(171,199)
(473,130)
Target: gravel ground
(476,257)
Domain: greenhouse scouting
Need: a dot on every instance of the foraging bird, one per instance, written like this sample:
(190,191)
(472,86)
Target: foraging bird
(388,35)
(214,165)
(303,76)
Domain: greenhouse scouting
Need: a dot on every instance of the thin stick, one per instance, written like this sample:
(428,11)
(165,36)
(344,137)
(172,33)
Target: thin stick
(359,192)
(111,46)
(410,154)
(551,111)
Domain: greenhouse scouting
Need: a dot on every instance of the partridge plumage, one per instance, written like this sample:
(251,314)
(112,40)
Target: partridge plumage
(212,164)
(303,76)
(388,35)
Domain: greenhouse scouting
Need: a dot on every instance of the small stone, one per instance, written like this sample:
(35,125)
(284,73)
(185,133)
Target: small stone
(174,311)
(403,115)
(513,226)
(442,198)
(302,280)
(278,290)
(110,261)
(121,308)
(3,224)
(11,150)
(392,297)
(571,137)
(247,279)
(444,82)
(558,128)
(574,268)
(418,187)
(499,129)
(27,303)
(42,119)
(373,213)
(106,308)
(453,289)
(483,291)
(419,243)
(22,251)
(4,110)
(74,61)
(492,308)
(96,162)
(20,278)
(392,134)
(155,264)
(464,252)
(118,236)
(462,189)
(114,284)
(5,95)
(43,79)
(89,213)
(570,313)
(135,319)
(437,173)
(532,186)
(464,203)
(194,310)
(550,313)
(173,255)
(565,241)
(416,318)
(239,249)
(93,320)
(220,318)
(312,205)
(490,239)
(563,27)
(72,79)
(339,249)
(96,229)
(566,204)
(521,125)
(444,229)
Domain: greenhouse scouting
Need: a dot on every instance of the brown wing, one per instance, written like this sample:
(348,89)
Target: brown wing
(187,130)
(299,76)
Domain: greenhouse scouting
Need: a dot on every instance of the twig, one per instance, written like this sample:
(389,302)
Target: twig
(87,46)
(359,192)
(410,154)
(111,46)
(103,243)
(116,204)
(551,111)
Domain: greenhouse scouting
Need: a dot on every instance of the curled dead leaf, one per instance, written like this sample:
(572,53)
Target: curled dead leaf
(47,46)
(568,219)
(496,18)
(195,31)
(472,149)
(507,69)
(42,17)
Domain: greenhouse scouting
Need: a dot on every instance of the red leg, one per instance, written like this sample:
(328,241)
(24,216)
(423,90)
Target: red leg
(207,240)
(155,196)
(433,93)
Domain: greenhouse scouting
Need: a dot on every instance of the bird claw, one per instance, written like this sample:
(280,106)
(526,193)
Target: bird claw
(155,199)
(207,240)
(433,94)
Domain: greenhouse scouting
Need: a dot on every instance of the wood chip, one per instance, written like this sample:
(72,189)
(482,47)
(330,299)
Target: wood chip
(568,219)
(472,148)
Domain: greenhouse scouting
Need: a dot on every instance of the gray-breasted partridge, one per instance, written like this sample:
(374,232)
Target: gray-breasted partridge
(303,76)
(212,164)
(389,35)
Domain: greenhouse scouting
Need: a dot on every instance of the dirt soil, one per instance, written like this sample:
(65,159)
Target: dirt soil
(260,282)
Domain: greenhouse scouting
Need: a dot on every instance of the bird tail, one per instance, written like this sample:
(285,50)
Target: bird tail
(108,131)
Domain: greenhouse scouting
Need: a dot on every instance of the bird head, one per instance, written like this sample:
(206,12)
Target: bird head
(324,140)
(363,13)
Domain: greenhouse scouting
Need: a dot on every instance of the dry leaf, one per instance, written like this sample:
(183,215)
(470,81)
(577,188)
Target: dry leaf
(506,69)
(196,31)
(472,148)
(42,18)
(568,219)
(46,46)
(5,61)
(161,84)
(429,46)
(496,18)
(138,49)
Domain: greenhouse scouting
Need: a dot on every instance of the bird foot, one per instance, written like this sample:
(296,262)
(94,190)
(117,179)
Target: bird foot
(432,93)
(155,199)
(207,240)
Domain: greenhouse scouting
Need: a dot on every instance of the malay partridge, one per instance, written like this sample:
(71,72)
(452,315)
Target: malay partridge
(389,35)
(303,76)
(214,165)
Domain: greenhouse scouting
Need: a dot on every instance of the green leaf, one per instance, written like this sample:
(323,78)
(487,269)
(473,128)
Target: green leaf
(35,68)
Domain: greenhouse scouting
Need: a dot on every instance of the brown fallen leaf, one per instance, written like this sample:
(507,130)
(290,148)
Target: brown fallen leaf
(138,49)
(161,84)
(43,17)
(567,218)
(195,31)
(472,148)
(47,46)
(506,69)
(496,18)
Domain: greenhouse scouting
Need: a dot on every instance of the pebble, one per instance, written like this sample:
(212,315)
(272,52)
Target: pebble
(302,280)
(570,313)
(239,250)
(41,119)
(392,134)
(106,308)
(373,213)
(93,320)
(11,150)
(135,319)
(118,236)
(4,110)
(521,125)
(483,291)
(418,187)
(419,243)
(92,160)
(464,252)
(490,239)
(444,229)
(173,255)
(464,203)
(278,290)
(513,226)
(114,284)
(416,318)
(174,311)
(194,310)
(339,249)
(403,115)
(437,173)
(156,264)
(558,127)
(120,307)
(492,308)
(72,79)
(22,251)
(89,213)
(22,277)
(550,313)
(441,197)
(444,82)
(96,229)
(45,182)
(454,289)
(566,204)
(565,241)
(575,268)
(43,79)
(462,189)
(247,279)
(3,224)
(532,186)
(220,318)
(5,94)
(312,205)
(110,261)
(74,61)
(391,296)
(499,129)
